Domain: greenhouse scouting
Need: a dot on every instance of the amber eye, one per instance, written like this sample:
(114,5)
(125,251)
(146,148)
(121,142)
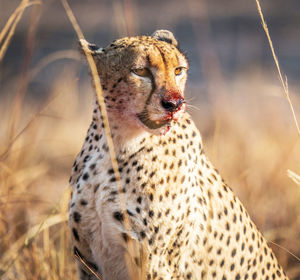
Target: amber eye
(143,72)
(178,71)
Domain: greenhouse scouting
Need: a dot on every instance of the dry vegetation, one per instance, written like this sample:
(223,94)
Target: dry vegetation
(248,133)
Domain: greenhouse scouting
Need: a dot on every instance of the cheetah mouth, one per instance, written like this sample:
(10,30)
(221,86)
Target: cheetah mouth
(144,118)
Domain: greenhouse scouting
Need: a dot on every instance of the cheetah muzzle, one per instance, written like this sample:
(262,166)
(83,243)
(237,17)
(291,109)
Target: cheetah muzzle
(184,221)
(173,105)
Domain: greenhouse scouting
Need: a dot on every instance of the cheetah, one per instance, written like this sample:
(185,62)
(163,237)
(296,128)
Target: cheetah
(183,221)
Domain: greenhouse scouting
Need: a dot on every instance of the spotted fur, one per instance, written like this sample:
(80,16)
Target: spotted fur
(185,222)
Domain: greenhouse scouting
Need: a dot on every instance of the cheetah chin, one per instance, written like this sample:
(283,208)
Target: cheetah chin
(161,127)
(164,125)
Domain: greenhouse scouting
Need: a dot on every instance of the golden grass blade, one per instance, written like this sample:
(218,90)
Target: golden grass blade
(9,36)
(294,176)
(100,98)
(22,177)
(9,23)
(5,168)
(29,236)
(285,249)
(12,23)
(283,83)
(88,266)
(30,122)
(98,88)
(72,19)
(69,54)
(10,256)
(61,255)
(23,81)
(12,18)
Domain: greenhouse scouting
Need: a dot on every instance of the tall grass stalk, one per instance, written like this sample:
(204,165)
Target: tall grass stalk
(283,83)
(8,31)
(97,84)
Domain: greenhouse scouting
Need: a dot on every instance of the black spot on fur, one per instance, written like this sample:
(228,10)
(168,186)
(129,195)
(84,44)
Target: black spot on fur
(77,217)
(118,216)
(75,234)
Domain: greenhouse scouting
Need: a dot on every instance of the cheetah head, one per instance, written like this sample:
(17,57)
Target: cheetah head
(143,80)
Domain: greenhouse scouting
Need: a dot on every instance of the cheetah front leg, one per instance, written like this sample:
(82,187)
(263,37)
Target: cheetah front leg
(121,255)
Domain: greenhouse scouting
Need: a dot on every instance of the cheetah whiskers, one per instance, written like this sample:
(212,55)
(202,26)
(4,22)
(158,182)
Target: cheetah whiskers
(188,102)
(193,107)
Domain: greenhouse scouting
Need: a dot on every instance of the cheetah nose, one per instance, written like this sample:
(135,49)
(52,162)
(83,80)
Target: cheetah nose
(172,105)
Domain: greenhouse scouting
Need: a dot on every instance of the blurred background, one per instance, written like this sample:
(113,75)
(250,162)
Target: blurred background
(233,93)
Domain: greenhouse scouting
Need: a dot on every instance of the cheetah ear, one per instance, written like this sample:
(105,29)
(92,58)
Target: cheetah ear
(92,49)
(166,36)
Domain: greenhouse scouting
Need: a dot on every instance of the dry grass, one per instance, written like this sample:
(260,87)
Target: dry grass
(250,139)
(283,83)
(132,250)
(8,30)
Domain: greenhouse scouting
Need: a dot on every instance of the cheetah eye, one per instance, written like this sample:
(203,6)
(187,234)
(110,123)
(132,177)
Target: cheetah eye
(179,70)
(142,72)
